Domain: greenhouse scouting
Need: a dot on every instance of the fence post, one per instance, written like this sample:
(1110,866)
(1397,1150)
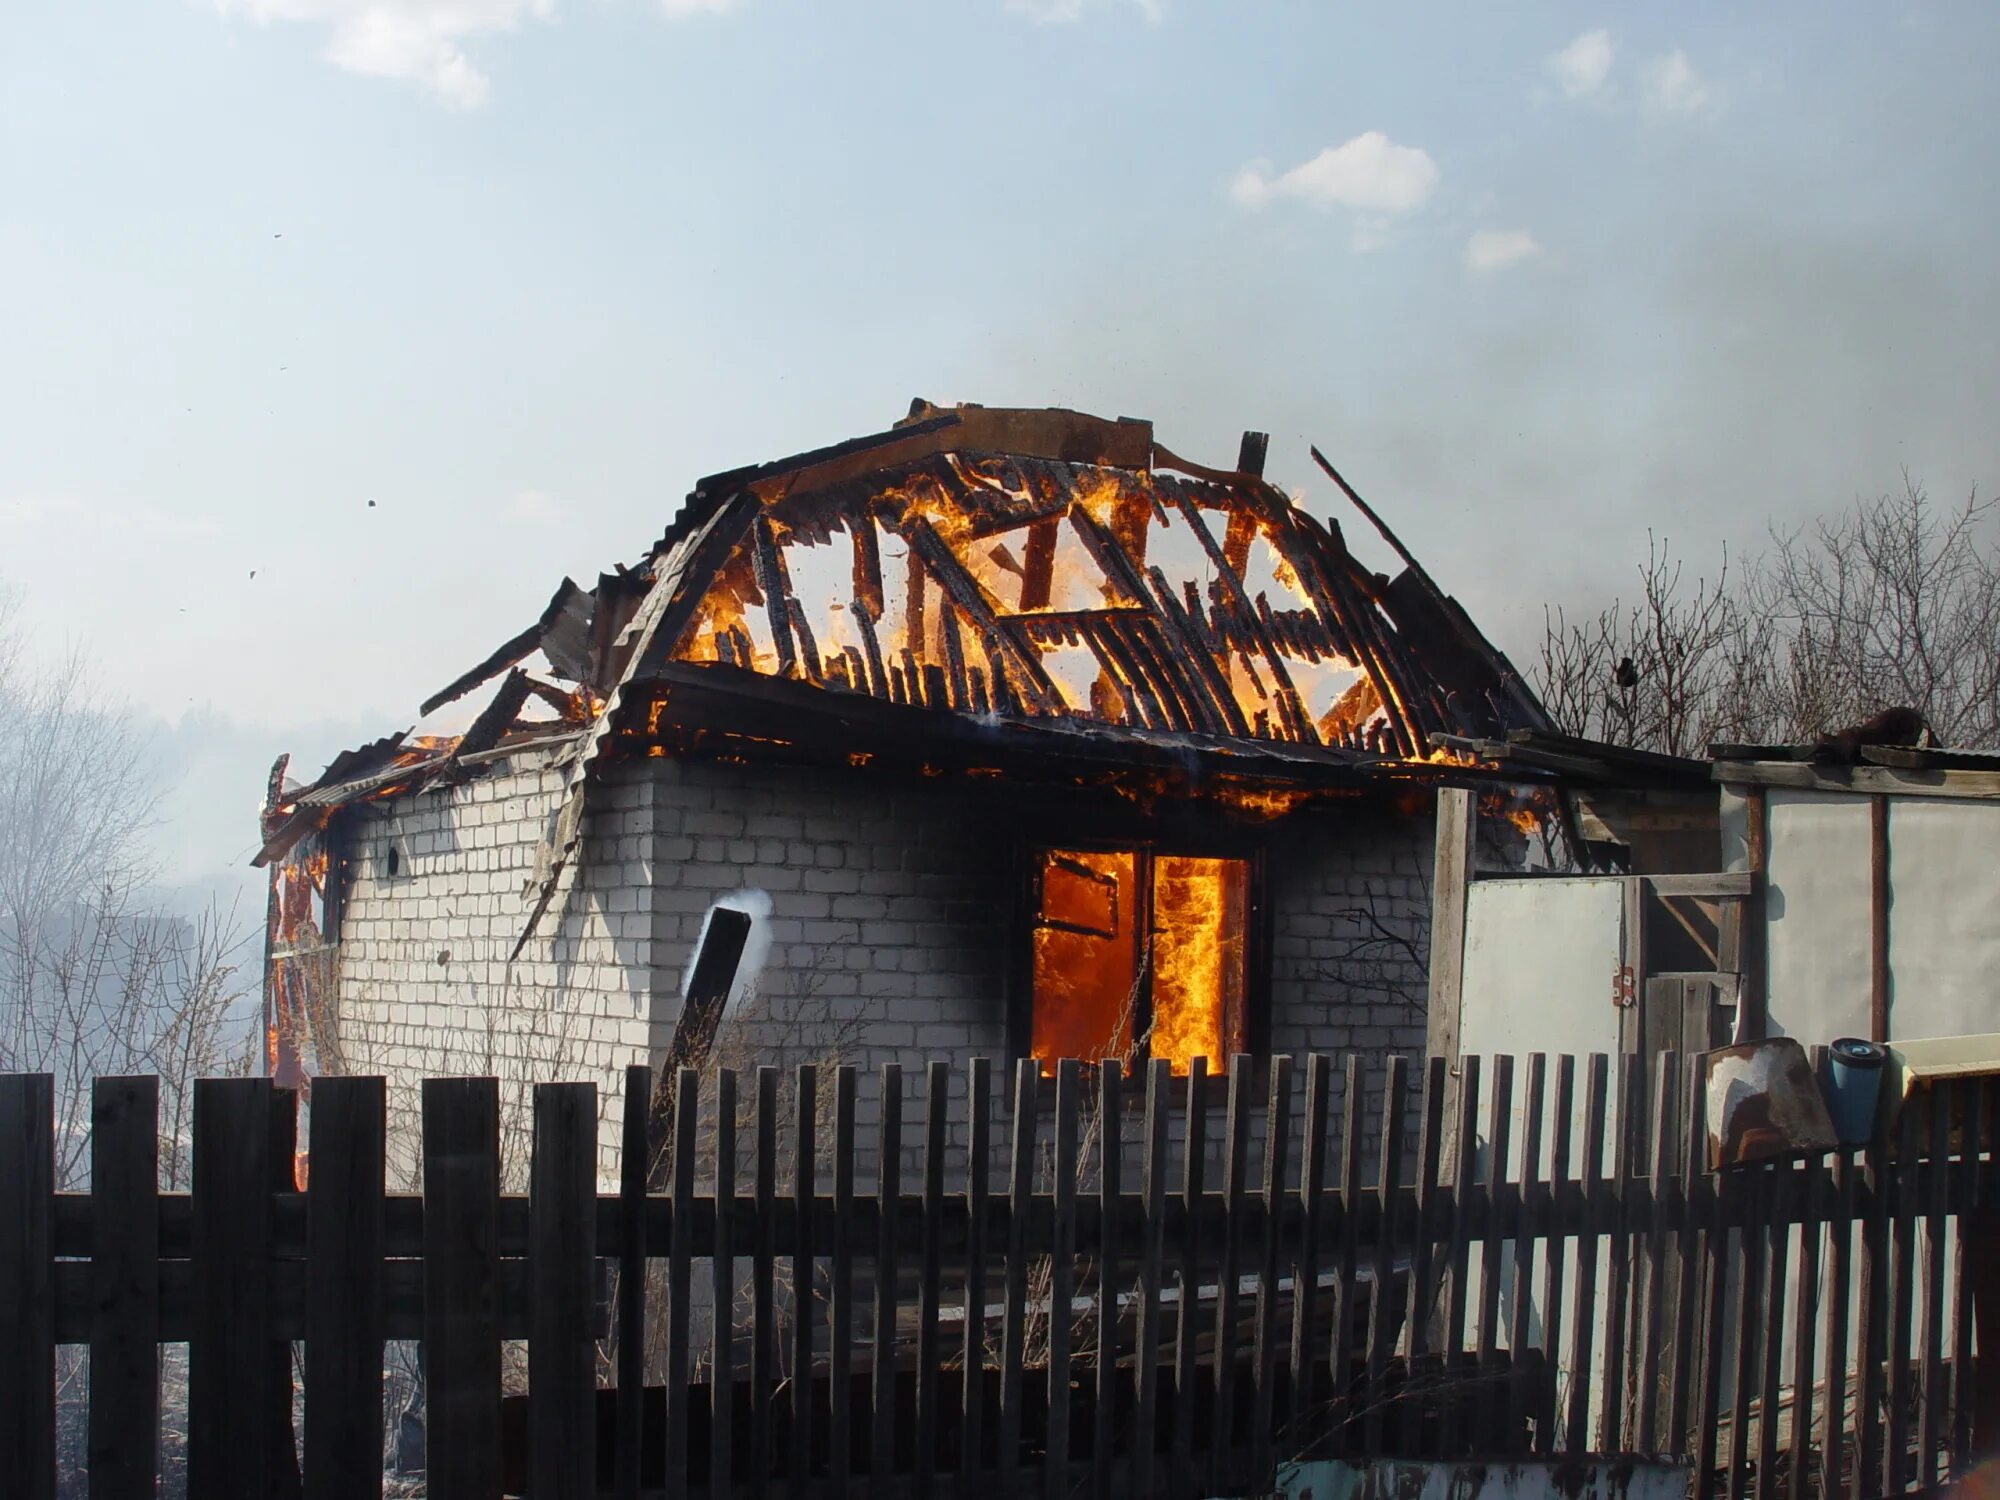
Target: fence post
(27,1290)
(1062,1273)
(125,1288)
(562,1249)
(344,1290)
(632,1169)
(461,1140)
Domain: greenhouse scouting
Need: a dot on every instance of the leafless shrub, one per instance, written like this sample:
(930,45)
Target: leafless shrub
(1891,603)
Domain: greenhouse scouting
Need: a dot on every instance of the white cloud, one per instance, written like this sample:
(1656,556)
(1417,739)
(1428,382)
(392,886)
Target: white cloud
(1490,249)
(1672,87)
(1370,173)
(420,41)
(1584,66)
(1059,11)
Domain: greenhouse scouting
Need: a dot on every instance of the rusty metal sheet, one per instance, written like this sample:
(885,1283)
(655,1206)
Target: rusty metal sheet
(1764,1105)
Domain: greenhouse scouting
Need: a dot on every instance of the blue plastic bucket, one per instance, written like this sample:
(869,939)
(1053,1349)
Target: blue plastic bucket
(1853,1087)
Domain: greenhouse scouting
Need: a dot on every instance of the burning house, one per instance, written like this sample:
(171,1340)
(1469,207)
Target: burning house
(1002,733)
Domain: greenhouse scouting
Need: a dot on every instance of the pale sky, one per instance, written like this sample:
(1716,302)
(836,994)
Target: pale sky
(519,271)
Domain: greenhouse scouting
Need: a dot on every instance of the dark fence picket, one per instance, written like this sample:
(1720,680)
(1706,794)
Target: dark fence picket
(1062,1277)
(1933,1393)
(1388,1173)
(805,1316)
(680,1252)
(978,1193)
(840,1290)
(634,1159)
(1555,1261)
(1187,1336)
(1014,1314)
(27,1284)
(1104,1363)
(562,1250)
(461,1123)
(1277,1142)
(345,1289)
(722,1287)
(231,1448)
(1145,1363)
(930,1269)
(125,1286)
(1419,1370)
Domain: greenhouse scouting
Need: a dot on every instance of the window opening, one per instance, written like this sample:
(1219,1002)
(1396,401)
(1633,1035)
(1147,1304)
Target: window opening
(1138,954)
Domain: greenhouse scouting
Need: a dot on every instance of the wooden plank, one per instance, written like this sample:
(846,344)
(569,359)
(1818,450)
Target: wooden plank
(229,1448)
(1722,1191)
(1878,918)
(1935,1182)
(1194,1147)
(124,1439)
(1620,1224)
(1038,563)
(1781,1182)
(1277,1139)
(722,1294)
(1451,867)
(840,1291)
(344,1289)
(1752,997)
(930,1263)
(1014,1314)
(633,1162)
(805,1168)
(978,1188)
(1648,1386)
(1554,1265)
(27,1275)
(1904,1209)
(1976,1095)
(1305,1264)
(889,1207)
(1746,1319)
(1388,1175)
(1598,1210)
(680,1250)
(1110,1163)
(1859,780)
(1422,1290)
(1145,1363)
(1871,1333)
(1062,1277)
(1805,1374)
(562,1251)
(1235,1149)
(1464,1118)
(1531,1208)
(461,1287)
(1689,1185)
(1499,1138)
(1835,1310)
(1721,884)
(763,1287)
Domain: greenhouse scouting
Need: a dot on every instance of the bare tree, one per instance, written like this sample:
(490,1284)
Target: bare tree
(95,978)
(1893,603)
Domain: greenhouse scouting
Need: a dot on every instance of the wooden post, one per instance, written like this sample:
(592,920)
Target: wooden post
(1878,918)
(1451,876)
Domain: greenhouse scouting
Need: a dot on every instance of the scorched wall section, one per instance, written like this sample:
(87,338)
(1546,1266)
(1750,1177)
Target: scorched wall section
(434,905)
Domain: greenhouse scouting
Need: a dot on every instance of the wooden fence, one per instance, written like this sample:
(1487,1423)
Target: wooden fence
(1519,1263)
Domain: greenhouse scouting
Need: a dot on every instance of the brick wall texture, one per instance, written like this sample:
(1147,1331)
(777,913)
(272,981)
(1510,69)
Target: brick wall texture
(893,929)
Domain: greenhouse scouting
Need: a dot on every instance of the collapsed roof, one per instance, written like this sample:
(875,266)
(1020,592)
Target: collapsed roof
(1039,582)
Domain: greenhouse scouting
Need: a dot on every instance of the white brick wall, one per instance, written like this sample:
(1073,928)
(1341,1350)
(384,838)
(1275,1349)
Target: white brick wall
(893,927)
